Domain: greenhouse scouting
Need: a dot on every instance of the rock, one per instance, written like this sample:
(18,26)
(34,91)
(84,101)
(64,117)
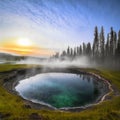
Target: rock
(27,106)
(4,115)
(35,116)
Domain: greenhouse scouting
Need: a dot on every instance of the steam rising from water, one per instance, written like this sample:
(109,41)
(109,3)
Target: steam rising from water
(78,62)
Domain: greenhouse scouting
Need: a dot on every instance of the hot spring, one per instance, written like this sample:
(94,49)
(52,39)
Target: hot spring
(62,90)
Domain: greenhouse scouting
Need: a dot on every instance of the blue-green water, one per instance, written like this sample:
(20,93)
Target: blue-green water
(61,89)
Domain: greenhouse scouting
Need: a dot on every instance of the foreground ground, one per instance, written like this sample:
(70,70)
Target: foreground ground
(12,107)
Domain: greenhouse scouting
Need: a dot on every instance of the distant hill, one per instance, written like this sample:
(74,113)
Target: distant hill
(11,57)
(8,57)
(5,54)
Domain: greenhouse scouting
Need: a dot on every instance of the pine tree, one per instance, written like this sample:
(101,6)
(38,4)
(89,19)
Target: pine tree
(64,53)
(68,51)
(80,50)
(111,42)
(96,44)
(107,47)
(114,42)
(84,49)
(88,50)
(118,46)
(102,43)
(71,53)
(75,53)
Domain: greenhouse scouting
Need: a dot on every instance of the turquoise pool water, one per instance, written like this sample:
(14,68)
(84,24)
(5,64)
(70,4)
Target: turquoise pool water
(61,90)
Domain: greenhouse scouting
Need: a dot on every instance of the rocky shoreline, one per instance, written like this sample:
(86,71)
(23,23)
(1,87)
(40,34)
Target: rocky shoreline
(13,77)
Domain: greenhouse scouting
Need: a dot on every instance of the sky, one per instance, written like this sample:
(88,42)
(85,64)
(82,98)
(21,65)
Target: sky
(49,26)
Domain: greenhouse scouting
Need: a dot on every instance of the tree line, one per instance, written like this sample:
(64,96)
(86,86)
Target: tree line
(102,51)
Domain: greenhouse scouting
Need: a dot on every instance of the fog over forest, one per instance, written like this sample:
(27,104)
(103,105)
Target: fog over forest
(103,51)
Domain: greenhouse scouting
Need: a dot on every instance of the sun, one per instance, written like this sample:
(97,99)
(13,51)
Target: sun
(24,46)
(25,42)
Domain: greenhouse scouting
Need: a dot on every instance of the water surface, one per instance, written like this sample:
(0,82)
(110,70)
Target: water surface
(61,89)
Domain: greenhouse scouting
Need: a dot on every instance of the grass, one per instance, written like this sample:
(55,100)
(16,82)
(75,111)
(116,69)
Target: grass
(9,67)
(12,107)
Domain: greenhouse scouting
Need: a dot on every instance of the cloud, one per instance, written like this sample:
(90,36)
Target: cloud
(48,24)
(56,24)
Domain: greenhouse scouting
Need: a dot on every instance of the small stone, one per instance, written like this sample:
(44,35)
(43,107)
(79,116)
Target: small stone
(35,116)
(4,115)
(27,106)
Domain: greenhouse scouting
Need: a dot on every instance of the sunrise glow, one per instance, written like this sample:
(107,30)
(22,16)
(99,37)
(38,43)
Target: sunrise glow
(24,46)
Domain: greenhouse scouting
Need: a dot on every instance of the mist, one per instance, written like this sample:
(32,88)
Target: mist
(82,62)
